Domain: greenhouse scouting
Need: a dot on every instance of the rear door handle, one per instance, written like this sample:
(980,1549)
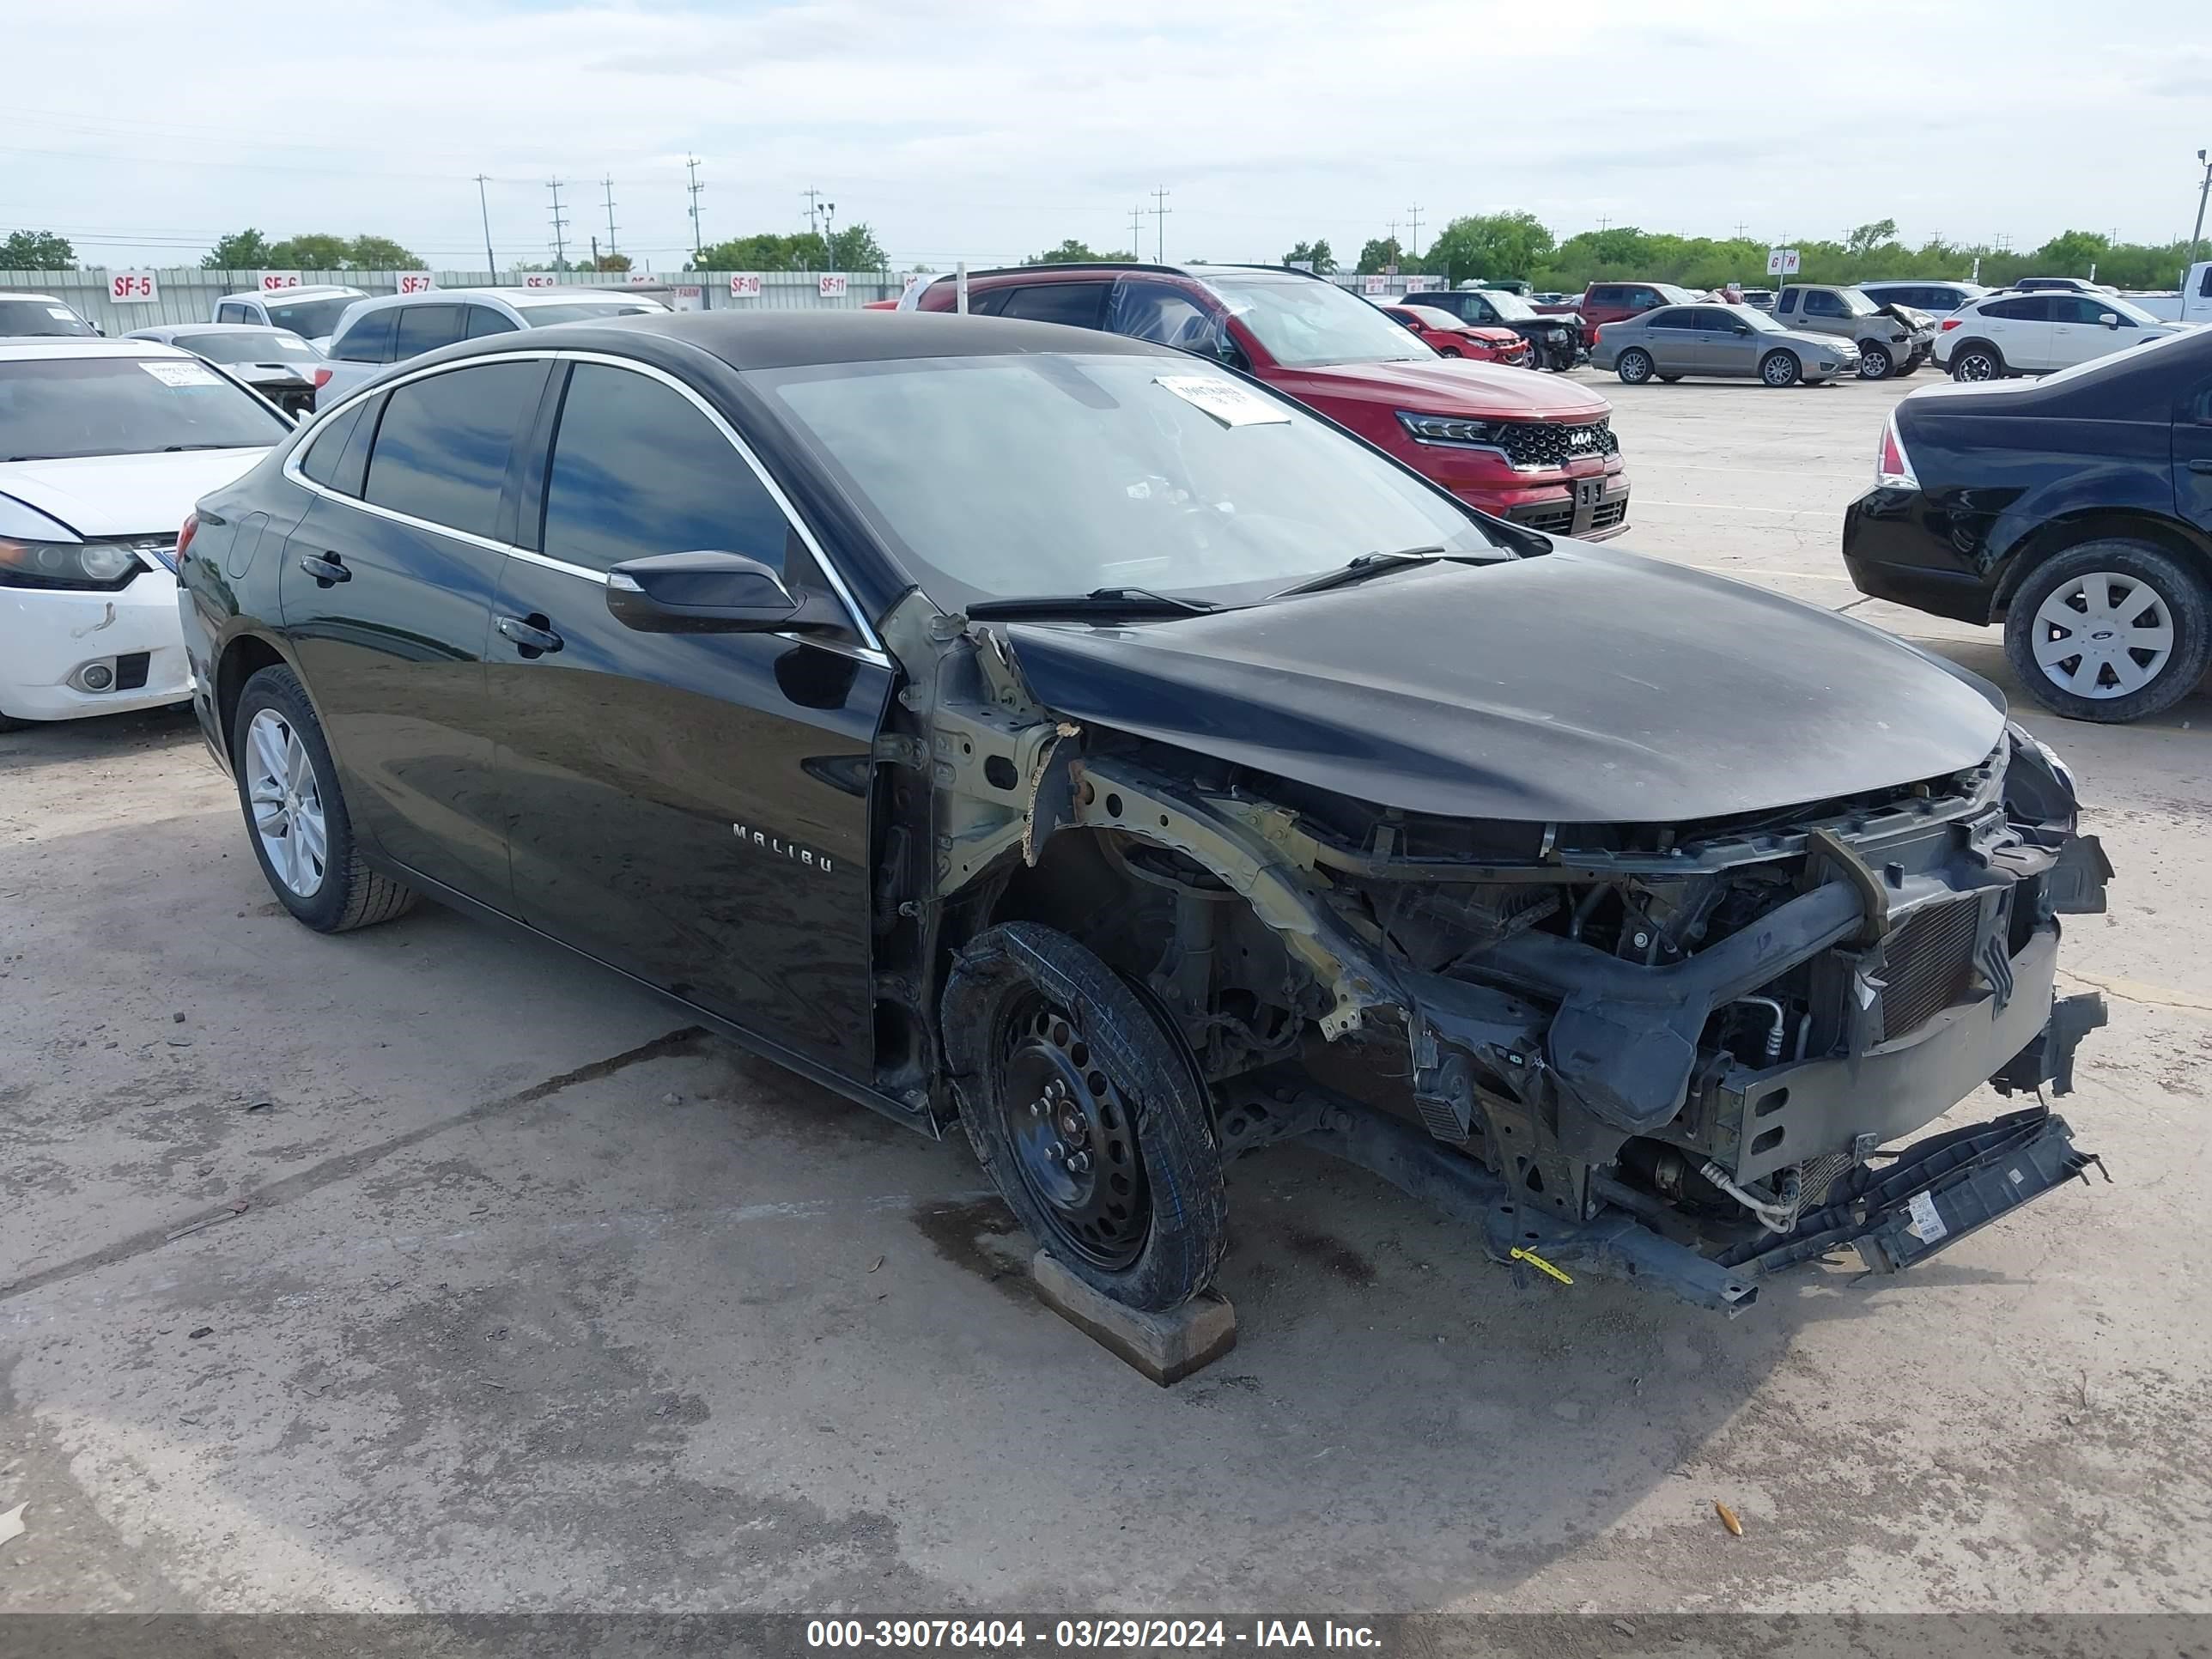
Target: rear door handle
(327,568)
(533,635)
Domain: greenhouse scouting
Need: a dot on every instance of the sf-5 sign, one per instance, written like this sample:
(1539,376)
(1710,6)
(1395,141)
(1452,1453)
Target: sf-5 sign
(133,288)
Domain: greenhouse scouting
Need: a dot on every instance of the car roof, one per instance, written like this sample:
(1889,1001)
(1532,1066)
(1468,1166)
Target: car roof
(308,291)
(67,345)
(520,298)
(175,331)
(41,299)
(790,339)
(1076,267)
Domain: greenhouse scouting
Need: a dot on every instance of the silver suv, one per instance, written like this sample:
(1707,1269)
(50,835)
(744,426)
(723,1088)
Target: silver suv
(374,333)
(1889,343)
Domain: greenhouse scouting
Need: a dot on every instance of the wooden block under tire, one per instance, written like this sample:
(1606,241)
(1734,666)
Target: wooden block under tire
(1165,1346)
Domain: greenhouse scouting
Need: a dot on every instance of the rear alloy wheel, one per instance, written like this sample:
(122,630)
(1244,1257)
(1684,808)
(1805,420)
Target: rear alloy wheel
(2110,631)
(1780,368)
(1977,360)
(1876,362)
(1087,1115)
(289,790)
(1634,366)
(1447,351)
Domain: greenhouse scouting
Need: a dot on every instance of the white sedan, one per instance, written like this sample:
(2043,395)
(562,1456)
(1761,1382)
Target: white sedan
(105,446)
(2002,334)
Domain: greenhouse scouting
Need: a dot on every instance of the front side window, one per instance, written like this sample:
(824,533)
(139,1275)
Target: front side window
(1160,312)
(1050,473)
(1076,304)
(442,447)
(1304,323)
(638,469)
(425,328)
(59,408)
(367,339)
(1820,303)
(311,320)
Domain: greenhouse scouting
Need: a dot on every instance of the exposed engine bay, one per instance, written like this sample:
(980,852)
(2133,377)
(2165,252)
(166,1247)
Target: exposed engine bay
(1686,1052)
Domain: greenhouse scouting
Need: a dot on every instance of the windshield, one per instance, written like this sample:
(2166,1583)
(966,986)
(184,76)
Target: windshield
(1673,295)
(2127,308)
(1304,325)
(584,310)
(264,345)
(310,319)
(1510,307)
(1002,477)
(41,317)
(57,407)
(1857,304)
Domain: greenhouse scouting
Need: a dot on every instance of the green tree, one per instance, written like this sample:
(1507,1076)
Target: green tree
(1489,245)
(1866,238)
(855,248)
(1069,252)
(316,251)
(1378,253)
(380,253)
(2071,253)
(1318,254)
(242,250)
(36,249)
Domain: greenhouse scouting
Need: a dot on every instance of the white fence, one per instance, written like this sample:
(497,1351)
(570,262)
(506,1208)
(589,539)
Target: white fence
(119,302)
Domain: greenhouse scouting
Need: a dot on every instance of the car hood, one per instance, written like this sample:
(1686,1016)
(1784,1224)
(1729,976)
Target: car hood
(123,494)
(1442,386)
(1584,686)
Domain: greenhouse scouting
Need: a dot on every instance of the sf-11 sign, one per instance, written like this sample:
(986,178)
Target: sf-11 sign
(133,288)
(833,287)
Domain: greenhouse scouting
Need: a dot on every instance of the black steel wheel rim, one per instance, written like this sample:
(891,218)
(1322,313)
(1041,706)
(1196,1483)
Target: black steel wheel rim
(1073,1137)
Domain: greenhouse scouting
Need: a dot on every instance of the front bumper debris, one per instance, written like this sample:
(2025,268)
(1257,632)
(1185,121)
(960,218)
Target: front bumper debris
(1936,1192)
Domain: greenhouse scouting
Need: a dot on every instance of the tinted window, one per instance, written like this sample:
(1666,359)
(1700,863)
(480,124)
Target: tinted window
(425,328)
(1670,317)
(308,319)
(367,339)
(441,449)
(2079,308)
(231,311)
(1607,294)
(1073,303)
(483,320)
(262,345)
(326,449)
(988,304)
(41,317)
(638,470)
(2204,287)
(2031,309)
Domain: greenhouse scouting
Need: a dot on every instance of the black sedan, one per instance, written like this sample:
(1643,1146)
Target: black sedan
(2077,510)
(275,361)
(1041,729)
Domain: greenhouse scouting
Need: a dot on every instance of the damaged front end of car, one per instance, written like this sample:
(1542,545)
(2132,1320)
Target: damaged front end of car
(1691,1053)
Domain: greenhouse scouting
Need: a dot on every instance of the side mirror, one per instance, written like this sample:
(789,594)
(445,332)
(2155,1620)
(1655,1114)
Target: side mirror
(711,592)
(1743,328)
(2110,320)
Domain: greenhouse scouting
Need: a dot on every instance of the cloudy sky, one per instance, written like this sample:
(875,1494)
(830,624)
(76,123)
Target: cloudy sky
(142,128)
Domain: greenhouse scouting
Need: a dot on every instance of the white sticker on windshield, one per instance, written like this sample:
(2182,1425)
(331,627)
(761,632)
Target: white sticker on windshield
(183,373)
(1227,402)
(61,314)
(1926,1223)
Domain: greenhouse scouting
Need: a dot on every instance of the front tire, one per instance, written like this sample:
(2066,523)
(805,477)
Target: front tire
(1978,360)
(1876,363)
(1780,368)
(1634,366)
(1447,351)
(287,789)
(1088,1115)
(2112,630)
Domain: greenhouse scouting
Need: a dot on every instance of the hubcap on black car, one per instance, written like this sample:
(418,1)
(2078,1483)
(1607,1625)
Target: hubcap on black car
(1074,1144)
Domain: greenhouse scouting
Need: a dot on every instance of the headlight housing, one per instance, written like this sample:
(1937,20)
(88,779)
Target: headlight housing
(1447,429)
(96,566)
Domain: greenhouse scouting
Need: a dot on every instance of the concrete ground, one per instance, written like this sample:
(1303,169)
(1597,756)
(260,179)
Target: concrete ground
(519,1296)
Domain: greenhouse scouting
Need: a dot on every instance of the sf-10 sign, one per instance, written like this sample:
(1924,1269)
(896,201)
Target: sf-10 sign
(273,279)
(415,282)
(133,288)
(744,285)
(1781,262)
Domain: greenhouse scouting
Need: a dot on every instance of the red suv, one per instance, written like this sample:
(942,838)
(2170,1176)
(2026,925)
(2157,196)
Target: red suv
(1616,302)
(1535,449)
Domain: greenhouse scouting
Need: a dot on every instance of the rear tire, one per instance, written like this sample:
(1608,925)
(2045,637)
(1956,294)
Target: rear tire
(1876,363)
(1978,360)
(9,723)
(1088,1115)
(1449,351)
(1780,368)
(295,817)
(2145,621)
(1634,366)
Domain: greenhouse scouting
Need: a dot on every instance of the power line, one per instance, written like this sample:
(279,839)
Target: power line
(813,196)
(560,224)
(1137,231)
(1413,243)
(1160,211)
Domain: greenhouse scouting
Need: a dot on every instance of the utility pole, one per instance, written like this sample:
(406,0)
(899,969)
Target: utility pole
(1740,228)
(491,265)
(1160,211)
(829,233)
(2202,191)
(1605,222)
(1137,231)
(595,250)
(812,195)
(608,181)
(560,224)
(698,246)
(1413,238)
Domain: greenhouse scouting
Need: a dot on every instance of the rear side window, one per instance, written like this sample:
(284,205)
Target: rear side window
(233,311)
(2204,287)
(425,328)
(1605,293)
(1076,304)
(483,320)
(442,447)
(1164,313)
(327,452)
(637,469)
(2030,308)
(367,339)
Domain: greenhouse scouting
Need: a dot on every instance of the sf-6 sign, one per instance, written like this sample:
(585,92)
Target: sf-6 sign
(273,279)
(133,288)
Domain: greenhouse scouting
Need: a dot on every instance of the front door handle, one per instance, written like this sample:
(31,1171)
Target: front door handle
(2201,466)
(533,635)
(326,569)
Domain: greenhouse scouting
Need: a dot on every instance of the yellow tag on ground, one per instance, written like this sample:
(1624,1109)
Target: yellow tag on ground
(1541,1265)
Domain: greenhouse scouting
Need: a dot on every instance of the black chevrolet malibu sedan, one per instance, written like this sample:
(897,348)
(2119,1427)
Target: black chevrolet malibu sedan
(1047,731)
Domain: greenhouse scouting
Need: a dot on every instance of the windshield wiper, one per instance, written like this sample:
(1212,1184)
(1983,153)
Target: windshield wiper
(1099,601)
(177,449)
(1366,565)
